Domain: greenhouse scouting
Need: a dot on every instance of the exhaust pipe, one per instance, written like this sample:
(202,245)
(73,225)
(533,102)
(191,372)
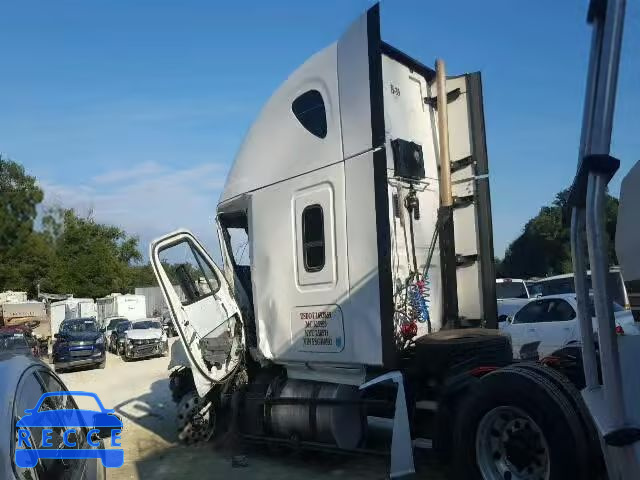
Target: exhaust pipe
(445,212)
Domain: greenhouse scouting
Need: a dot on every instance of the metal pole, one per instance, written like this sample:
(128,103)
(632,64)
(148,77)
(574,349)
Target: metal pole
(445,212)
(446,198)
(598,257)
(579,272)
(608,77)
(578,254)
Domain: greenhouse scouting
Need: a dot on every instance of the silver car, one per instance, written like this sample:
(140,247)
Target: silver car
(24,380)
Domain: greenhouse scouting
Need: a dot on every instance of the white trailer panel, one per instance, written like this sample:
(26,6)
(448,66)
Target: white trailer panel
(129,306)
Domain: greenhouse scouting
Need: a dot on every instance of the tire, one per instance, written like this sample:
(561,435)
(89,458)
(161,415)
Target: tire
(571,393)
(515,417)
(195,428)
(102,364)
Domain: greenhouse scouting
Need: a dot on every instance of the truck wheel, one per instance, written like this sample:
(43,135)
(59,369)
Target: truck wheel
(516,424)
(571,393)
(195,419)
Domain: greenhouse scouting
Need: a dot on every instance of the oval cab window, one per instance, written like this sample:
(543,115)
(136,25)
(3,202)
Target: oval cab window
(310,112)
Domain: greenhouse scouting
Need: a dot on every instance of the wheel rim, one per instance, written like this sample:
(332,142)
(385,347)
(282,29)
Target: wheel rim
(511,446)
(196,420)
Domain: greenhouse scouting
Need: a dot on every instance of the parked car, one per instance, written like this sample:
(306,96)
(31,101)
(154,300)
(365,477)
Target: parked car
(546,324)
(111,323)
(19,339)
(143,338)
(512,294)
(24,380)
(79,343)
(116,344)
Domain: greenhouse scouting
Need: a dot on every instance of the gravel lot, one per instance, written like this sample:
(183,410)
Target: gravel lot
(139,392)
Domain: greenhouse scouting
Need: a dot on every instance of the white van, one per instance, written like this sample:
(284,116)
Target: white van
(511,288)
(559,284)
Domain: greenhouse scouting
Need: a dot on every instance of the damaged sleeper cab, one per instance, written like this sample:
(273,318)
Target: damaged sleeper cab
(338,279)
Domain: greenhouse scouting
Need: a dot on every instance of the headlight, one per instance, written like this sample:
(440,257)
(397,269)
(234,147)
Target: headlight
(130,341)
(100,340)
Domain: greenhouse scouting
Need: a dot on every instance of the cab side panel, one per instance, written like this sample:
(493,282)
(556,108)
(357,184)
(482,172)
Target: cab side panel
(300,296)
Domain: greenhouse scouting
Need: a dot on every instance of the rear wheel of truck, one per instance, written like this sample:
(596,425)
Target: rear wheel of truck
(516,424)
(566,386)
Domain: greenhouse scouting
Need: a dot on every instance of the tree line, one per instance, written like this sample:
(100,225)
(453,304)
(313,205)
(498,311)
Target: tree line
(543,248)
(54,249)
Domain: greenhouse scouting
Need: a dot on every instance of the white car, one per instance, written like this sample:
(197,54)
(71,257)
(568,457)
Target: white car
(546,324)
(144,338)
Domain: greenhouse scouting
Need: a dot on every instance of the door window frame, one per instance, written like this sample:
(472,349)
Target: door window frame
(195,252)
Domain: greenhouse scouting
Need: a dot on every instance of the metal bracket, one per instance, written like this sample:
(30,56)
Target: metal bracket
(461,202)
(451,96)
(462,163)
(401,444)
(465,260)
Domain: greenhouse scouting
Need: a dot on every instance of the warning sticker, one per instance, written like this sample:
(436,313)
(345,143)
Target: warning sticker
(318,329)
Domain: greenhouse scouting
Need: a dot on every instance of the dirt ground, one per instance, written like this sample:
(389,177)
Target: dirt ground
(139,392)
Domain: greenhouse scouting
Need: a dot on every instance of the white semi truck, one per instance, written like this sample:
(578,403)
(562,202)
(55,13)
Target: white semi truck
(355,230)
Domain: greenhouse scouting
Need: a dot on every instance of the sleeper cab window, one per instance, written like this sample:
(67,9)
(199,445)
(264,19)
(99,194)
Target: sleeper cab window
(310,112)
(313,238)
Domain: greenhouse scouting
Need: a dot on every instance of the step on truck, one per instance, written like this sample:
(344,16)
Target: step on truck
(358,281)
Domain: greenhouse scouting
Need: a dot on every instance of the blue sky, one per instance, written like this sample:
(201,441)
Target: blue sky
(135,110)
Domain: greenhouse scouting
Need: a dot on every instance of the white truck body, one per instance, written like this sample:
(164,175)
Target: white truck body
(132,307)
(343,314)
(70,308)
(10,296)
(87,310)
(22,310)
(326,224)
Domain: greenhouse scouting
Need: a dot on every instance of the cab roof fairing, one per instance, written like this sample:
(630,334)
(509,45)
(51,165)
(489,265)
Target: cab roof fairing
(277,147)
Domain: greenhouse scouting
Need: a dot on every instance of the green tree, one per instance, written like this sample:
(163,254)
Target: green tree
(92,259)
(25,255)
(19,198)
(544,248)
(143,276)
